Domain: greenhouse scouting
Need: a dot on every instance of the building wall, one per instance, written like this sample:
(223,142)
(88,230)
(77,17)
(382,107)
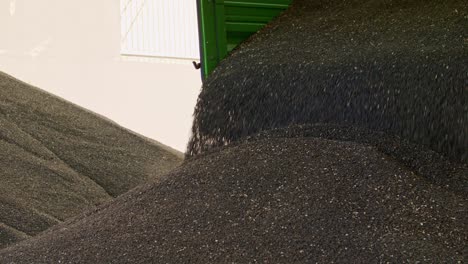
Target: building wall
(72,49)
(163,28)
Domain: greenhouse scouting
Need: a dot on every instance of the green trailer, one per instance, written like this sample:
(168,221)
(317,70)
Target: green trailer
(224,24)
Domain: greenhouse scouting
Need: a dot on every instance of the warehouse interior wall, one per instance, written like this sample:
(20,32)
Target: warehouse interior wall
(72,49)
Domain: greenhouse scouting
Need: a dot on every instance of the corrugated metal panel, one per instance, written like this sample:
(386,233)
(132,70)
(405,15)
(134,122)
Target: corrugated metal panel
(159,28)
(224,24)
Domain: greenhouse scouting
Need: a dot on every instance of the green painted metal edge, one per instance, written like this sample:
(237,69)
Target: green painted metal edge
(224,24)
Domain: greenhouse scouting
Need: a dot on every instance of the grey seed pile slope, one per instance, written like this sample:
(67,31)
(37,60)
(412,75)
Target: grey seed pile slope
(398,66)
(57,160)
(271,200)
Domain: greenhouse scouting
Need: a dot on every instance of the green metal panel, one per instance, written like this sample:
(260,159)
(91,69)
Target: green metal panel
(224,24)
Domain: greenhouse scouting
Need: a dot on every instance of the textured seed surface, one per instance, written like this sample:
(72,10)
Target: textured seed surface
(280,200)
(373,169)
(388,65)
(57,160)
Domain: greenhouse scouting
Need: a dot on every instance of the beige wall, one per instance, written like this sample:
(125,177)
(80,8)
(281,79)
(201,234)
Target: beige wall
(71,49)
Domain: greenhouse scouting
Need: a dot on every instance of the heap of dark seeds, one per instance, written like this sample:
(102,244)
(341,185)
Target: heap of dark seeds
(398,66)
(380,85)
(280,199)
(57,160)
